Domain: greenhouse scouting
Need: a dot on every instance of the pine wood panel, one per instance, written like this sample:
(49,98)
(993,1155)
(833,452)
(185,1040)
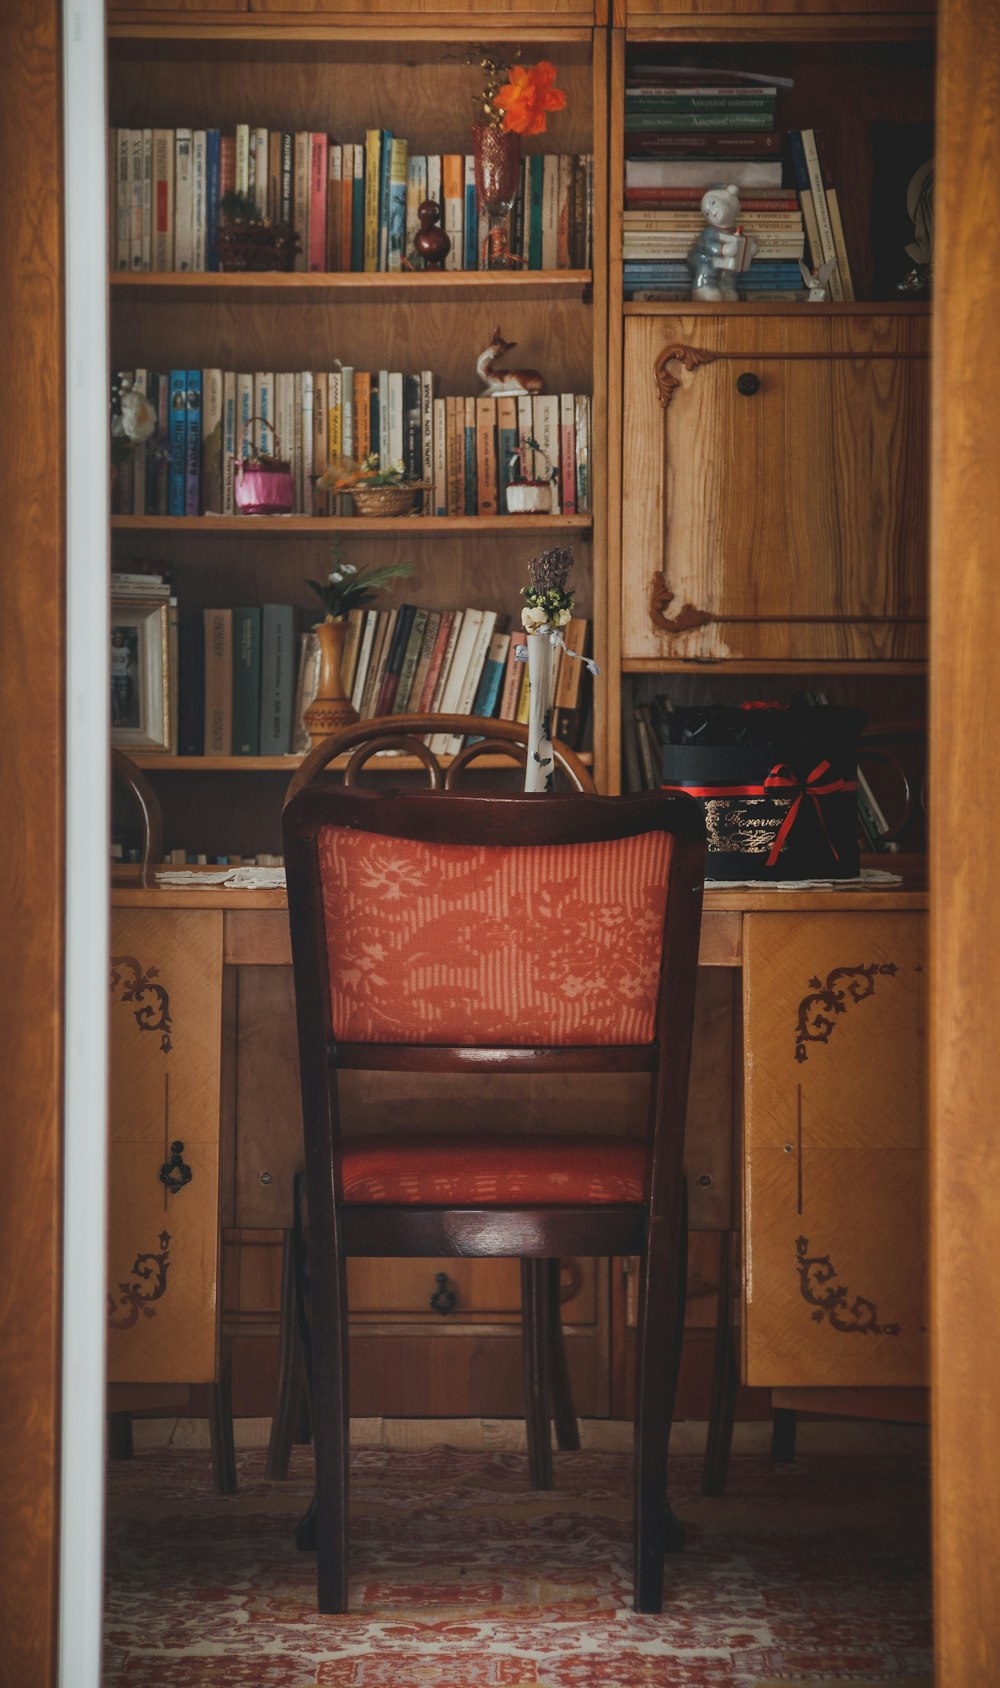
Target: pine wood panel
(835,1162)
(555,11)
(165,1070)
(641,13)
(32,704)
(965,924)
(835,434)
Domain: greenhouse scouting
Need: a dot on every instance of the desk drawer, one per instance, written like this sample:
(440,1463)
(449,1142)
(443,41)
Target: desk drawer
(482,1289)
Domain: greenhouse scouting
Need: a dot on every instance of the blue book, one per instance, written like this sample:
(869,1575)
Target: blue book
(384,189)
(277,678)
(246,682)
(535,231)
(178,441)
(797,159)
(192,445)
(470,256)
(491,679)
(471,484)
(212,142)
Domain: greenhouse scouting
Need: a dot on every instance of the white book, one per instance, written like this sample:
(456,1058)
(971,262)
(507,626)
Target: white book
(301,177)
(242,180)
(701,173)
(162,257)
(347,410)
(147,200)
(395,438)
(526,429)
(821,210)
(545,410)
(427,436)
(229,440)
(446,662)
(434,182)
(183,202)
(455,683)
(263,409)
(364,657)
(213,468)
(416,193)
(135,199)
(122,141)
(381,445)
(262,175)
(439,472)
(550,211)
(284,415)
(199,169)
(473,674)
(297,442)
(308,490)
(584,493)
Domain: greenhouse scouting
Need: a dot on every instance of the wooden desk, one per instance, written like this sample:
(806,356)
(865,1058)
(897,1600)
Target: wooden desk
(810,1033)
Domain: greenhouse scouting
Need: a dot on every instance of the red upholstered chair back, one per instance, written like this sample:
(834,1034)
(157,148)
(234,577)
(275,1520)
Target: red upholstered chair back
(491,944)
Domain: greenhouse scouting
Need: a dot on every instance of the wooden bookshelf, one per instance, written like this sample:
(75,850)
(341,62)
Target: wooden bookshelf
(279,527)
(496,286)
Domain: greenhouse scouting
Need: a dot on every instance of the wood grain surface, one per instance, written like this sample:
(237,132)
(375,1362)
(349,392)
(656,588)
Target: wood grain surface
(32,485)
(965,922)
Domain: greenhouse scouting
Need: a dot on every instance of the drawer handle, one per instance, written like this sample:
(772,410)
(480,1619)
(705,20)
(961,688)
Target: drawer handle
(748,384)
(443,1299)
(175,1172)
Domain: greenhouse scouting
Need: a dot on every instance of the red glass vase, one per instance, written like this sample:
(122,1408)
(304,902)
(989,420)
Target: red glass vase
(496,155)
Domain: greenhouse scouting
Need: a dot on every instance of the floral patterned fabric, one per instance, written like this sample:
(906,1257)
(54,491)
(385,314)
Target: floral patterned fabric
(494,1171)
(485,945)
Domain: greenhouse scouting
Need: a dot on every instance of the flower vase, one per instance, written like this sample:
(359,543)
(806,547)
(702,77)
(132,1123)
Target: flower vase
(539,773)
(496,155)
(331,708)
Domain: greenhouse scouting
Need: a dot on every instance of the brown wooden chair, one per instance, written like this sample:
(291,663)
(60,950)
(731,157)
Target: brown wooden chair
(549,1396)
(484,934)
(125,772)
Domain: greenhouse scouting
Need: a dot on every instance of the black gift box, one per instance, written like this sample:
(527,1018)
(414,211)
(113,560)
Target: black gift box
(778,785)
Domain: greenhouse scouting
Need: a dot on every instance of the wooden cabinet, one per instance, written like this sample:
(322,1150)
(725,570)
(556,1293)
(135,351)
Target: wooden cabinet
(649,14)
(163,1156)
(775,486)
(835,1152)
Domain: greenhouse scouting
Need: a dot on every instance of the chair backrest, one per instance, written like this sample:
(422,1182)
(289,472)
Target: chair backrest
(457,933)
(406,733)
(124,770)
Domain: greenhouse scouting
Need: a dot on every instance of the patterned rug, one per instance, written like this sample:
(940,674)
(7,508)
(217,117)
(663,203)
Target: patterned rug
(810,1575)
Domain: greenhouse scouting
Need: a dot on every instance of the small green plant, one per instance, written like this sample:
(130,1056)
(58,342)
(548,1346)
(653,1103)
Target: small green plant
(240,208)
(349,588)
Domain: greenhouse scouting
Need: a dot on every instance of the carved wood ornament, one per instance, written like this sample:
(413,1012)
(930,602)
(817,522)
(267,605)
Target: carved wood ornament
(667,382)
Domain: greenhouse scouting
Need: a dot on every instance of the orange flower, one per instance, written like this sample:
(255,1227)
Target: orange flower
(529,94)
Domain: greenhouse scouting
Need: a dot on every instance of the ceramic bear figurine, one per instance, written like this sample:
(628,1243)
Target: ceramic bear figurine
(721,249)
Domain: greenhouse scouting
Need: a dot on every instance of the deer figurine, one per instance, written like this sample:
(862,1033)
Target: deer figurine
(505,380)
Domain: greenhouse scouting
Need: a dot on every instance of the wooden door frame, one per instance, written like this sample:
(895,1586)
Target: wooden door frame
(32,703)
(965,918)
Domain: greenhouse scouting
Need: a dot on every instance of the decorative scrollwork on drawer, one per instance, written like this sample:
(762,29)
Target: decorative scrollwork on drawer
(149,1272)
(142,986)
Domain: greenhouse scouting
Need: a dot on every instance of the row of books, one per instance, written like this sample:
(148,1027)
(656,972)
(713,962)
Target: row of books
(352,205)
(463,447)
(245,676)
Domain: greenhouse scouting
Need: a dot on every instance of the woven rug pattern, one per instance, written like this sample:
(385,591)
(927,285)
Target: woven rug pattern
(809,1575)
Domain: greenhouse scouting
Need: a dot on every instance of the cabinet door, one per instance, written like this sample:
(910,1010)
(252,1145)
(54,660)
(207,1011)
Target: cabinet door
(166,1007)
(835,1194)
(407,13)
(640,12)
(775,487)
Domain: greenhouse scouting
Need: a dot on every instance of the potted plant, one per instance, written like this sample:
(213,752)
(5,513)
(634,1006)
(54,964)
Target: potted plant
(375,491)
(245,240)
(528,492)
(346,588)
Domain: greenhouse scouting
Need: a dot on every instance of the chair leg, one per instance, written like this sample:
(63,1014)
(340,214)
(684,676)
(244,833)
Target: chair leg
(786,1424)
(331,1433)
(536,1342)
(119,1435)
(567,1428)
(220,1429)
(288,1409)
(661,1302)
(725,1378)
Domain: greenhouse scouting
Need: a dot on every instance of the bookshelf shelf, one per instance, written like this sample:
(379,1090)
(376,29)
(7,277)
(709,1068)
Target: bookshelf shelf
(276,527)
(775,308)
(862,667)
(499,286)
(287,764)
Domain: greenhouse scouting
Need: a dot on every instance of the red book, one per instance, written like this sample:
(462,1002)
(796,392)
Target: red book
(227,164)
(437,657)
(512,676)
(317,202)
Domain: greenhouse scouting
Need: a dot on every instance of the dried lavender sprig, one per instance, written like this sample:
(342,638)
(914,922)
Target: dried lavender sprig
(549,570)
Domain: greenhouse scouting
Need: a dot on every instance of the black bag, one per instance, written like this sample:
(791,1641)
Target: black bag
(778,784)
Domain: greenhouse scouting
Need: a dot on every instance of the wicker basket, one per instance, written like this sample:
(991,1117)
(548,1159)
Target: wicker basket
(256,246)
(385,500)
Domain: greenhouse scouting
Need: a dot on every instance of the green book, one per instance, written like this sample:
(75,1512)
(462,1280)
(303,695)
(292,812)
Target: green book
(411,656)
(246,682)
(277,678)
(537,163)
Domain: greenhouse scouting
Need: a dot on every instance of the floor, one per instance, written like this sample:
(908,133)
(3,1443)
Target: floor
(802,1576)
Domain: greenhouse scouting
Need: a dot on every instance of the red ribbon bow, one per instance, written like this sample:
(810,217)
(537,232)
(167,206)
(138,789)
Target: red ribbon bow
(781,777)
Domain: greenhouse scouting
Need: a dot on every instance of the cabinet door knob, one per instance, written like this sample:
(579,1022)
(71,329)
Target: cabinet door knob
(748,384)
(443,1299)
(175,1172)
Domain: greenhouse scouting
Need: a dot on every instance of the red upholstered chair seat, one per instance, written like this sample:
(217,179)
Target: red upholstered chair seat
(493,1171)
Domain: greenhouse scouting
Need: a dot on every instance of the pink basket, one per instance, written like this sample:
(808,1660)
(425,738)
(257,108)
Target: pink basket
(262,485)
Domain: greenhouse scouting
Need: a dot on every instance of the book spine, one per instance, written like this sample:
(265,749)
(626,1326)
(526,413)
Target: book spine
(308,399)
(442,636)
(317,201)
(470,495)
(362,419)
(440,444)
(567,452)
(123,205)
(583,495)
(510,691)
(486,454)
(453,187)
(138,502)
(277,678)
(412,455)
(432,627)
(230,444)
(346,207)
(146,257)
(408,667)
(506,447)
(488,691)
(373,150)
(241,183)
(364,658)
(821,209)
(135,200)
(199,188)
(358,203)
(213,166)
(550,211)
(246,682)
(453,630)
(396,240)
(474,673)
(563,210)
(427,437)
(385,173)
(212,442)
(178,443)
(840,244)
(380,655)
(183,202)
(382,434)
(416,193)
(218,682)
(262,170)
(355,625)
(227,165)
(334,207)
(297,440)
(301,194)
(287,177)
(470,216)
(545,409)
(455,682)
(192,445)
(191,689)
(263,409)
(274,176)
(537,166)
(321,424)
(394,438)
(335,447)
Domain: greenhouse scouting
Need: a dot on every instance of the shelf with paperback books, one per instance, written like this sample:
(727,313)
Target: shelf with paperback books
(403,286)
(821,139)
